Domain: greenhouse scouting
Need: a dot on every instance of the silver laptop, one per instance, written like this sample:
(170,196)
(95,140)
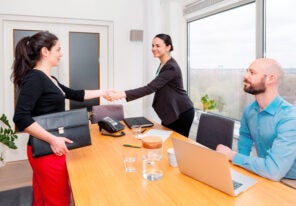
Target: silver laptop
(209,167)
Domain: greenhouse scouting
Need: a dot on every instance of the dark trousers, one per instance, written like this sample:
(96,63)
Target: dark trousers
(183,124)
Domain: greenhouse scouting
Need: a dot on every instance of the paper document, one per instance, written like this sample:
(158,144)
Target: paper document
(163,134)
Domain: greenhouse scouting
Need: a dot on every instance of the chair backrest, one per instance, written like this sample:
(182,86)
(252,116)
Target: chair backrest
(289,182)
(214,130)
(114,111)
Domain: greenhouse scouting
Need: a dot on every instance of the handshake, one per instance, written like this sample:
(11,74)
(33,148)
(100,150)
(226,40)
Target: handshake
(112,95)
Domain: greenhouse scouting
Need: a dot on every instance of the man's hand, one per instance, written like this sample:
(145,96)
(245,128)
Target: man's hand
(226,150)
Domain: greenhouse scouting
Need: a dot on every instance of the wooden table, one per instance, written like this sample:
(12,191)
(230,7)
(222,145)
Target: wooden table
(97,177)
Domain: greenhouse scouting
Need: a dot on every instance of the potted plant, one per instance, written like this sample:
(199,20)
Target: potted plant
(207,103)
(7,136)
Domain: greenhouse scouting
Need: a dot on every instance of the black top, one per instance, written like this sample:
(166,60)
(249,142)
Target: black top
(170,99)
(39,95)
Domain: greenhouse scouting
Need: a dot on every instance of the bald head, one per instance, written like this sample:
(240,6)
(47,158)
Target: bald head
(269,67)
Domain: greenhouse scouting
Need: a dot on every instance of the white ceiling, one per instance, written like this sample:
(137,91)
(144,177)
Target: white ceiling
(184,1)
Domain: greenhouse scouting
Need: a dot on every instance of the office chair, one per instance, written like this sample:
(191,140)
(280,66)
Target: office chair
(114,111)
(289,182)
(214,130)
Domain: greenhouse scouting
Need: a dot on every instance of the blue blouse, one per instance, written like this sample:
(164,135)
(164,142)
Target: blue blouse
(273,133)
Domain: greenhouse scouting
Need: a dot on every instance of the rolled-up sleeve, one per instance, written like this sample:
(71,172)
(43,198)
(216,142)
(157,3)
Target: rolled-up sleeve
(280,158)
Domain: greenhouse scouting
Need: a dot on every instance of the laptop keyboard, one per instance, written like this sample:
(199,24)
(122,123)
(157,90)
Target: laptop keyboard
(236,184)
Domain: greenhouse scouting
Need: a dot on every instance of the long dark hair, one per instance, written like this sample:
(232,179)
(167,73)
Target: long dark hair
(27,53)
(167,40)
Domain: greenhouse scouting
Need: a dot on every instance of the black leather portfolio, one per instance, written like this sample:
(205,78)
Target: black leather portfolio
(72,124)
(143,121)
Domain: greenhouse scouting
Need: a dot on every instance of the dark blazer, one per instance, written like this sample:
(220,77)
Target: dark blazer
(170,99)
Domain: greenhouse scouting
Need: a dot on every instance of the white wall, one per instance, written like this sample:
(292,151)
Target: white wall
(133,64)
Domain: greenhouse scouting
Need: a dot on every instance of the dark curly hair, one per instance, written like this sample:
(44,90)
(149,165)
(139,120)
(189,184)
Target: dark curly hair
(27,53)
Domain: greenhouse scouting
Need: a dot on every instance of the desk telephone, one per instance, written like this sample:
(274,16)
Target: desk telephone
(110,125)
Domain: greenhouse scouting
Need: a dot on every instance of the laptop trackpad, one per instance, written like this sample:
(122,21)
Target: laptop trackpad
(243,181)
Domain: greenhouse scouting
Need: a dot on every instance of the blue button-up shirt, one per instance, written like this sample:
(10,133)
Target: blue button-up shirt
(273,133)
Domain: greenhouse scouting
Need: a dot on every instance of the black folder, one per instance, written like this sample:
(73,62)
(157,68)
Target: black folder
(144,122)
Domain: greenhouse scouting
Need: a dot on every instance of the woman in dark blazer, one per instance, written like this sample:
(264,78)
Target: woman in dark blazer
(171,102)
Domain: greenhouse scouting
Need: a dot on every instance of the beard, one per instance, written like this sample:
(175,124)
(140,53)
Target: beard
(255,88)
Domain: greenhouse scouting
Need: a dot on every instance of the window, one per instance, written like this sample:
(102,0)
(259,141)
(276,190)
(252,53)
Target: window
(220,48)
(281,42)
(221,45)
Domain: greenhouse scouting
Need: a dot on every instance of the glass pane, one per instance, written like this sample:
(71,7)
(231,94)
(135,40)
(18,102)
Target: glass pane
(221,47)
(281,42)
(84,65)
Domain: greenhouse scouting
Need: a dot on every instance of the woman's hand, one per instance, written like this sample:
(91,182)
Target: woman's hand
(58,145)
(113,95)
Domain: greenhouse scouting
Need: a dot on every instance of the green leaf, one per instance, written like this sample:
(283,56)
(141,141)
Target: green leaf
(7,134)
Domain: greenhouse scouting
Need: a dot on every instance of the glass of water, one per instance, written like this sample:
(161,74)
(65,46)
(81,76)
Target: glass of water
(130,163)
(137,129)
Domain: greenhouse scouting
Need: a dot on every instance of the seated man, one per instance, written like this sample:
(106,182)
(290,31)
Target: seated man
(269,123)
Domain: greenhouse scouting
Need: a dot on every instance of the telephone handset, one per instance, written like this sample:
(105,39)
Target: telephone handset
(110,125)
